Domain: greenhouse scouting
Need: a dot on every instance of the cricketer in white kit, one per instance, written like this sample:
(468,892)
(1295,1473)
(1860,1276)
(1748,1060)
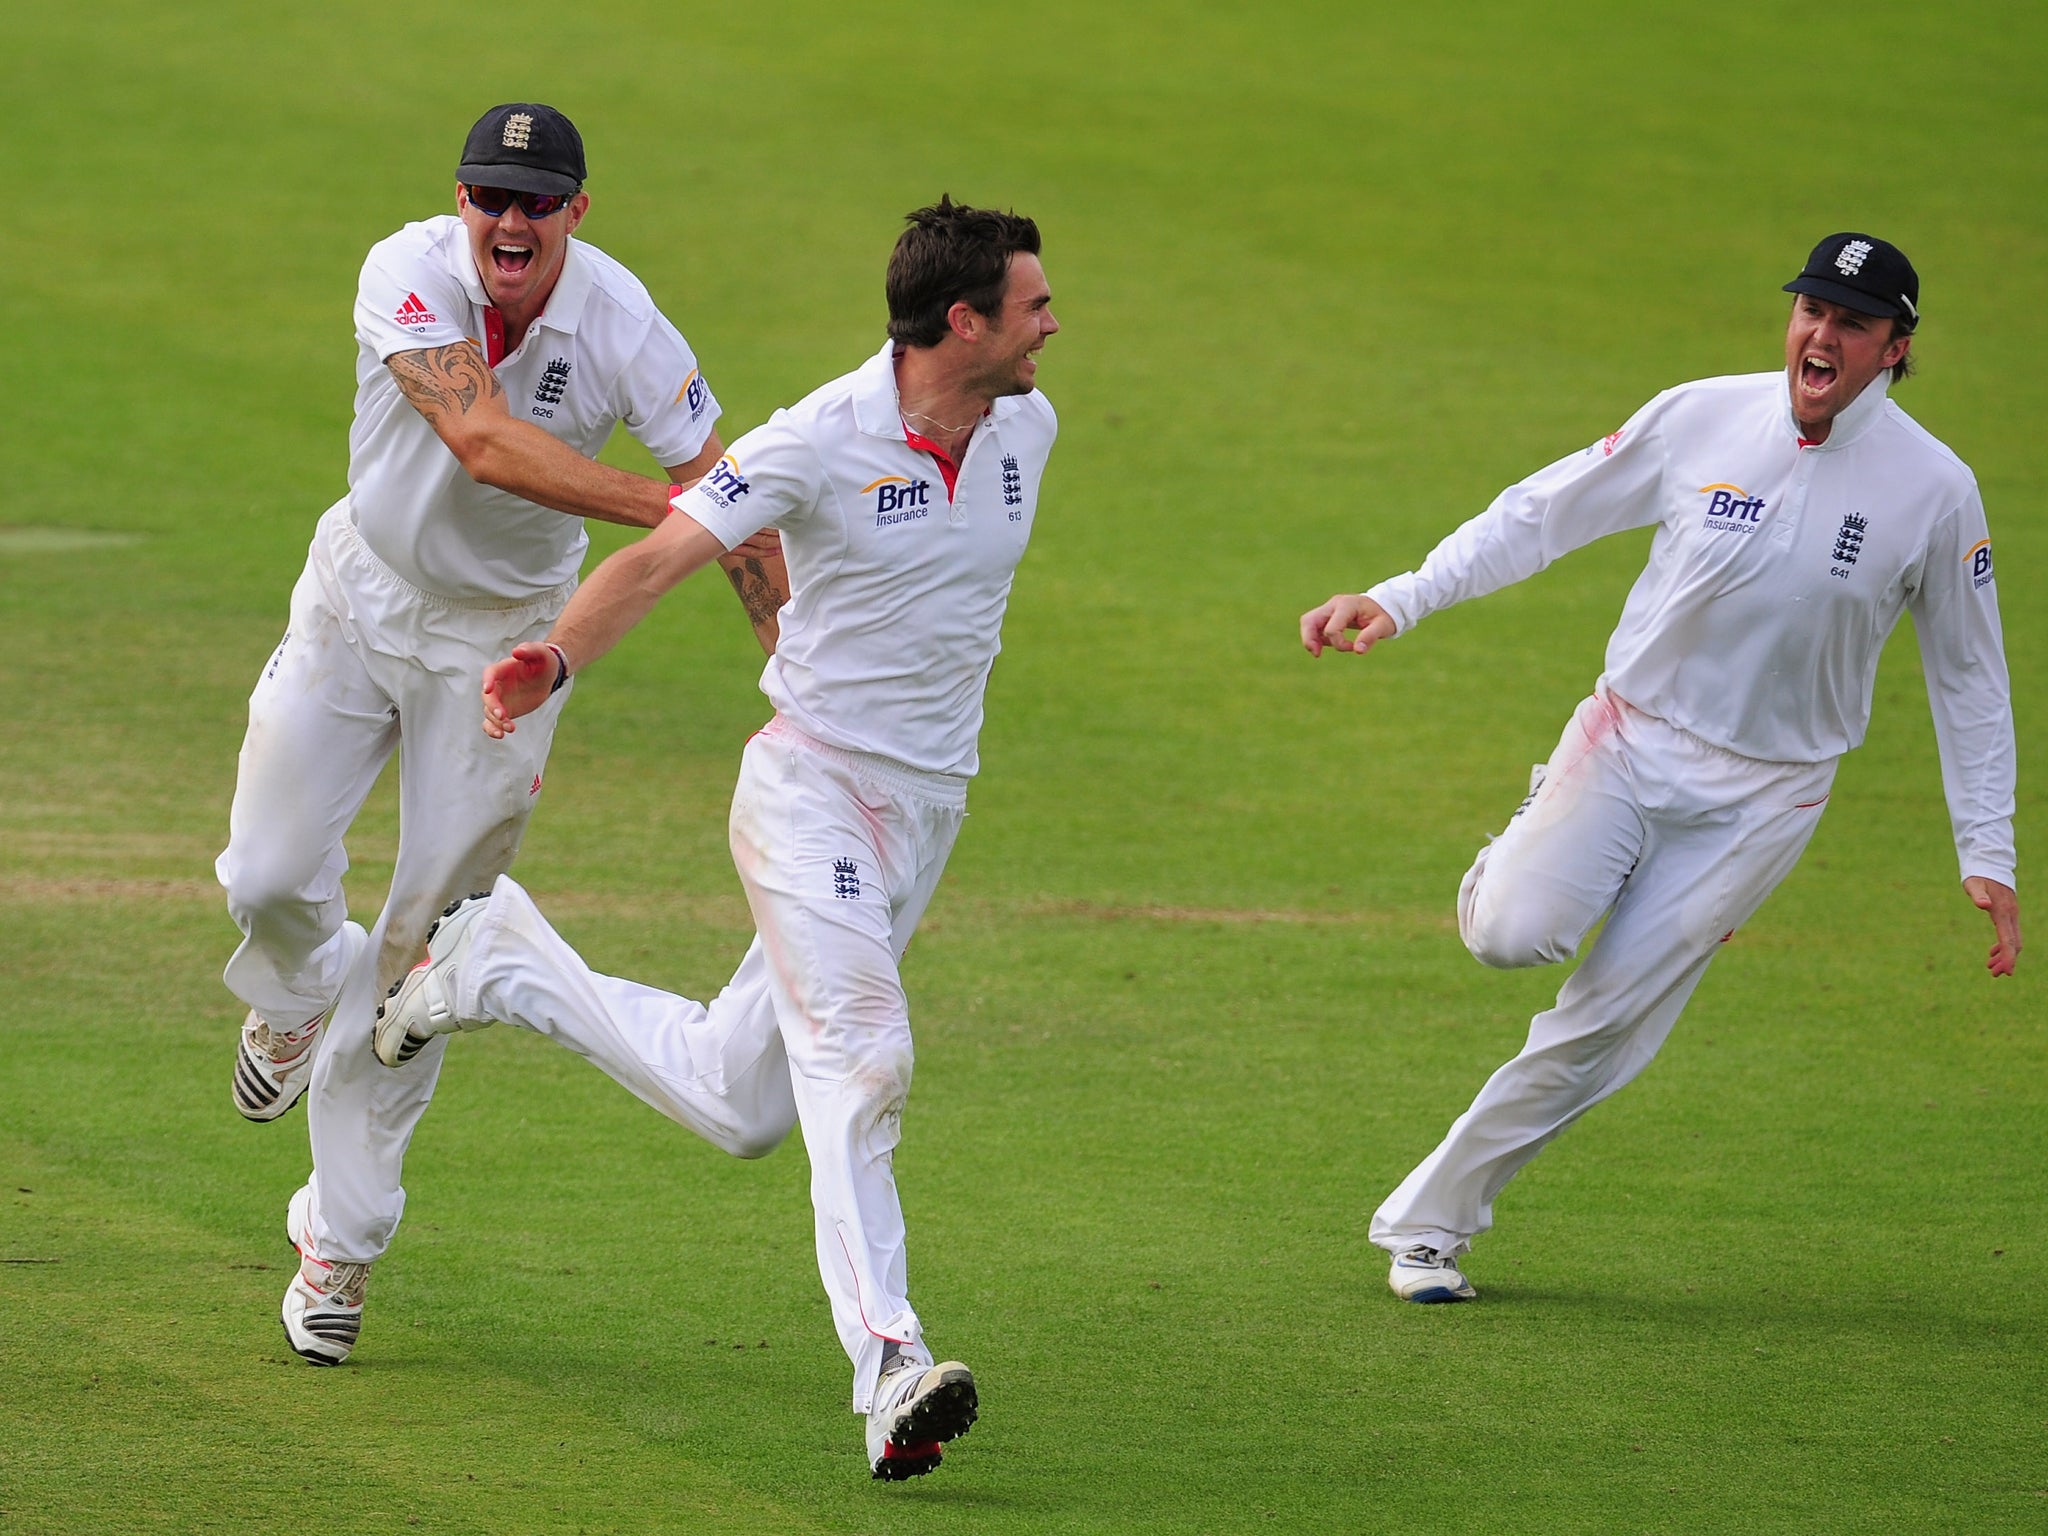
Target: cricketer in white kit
(1797,514)
(495,353)
(904,493)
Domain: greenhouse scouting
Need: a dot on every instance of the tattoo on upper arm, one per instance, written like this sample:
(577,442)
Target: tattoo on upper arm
(758,595)
(441,380)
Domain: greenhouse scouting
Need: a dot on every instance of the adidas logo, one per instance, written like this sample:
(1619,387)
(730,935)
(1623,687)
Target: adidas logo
(413,312)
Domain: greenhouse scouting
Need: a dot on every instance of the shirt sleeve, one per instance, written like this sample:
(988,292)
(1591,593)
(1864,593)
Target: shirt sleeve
(662,397)
(771,477)
(1606,488)
(1962,654)
(404,305)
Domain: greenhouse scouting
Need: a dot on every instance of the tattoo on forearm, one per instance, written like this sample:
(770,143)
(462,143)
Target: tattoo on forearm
(758,595)
(438,380)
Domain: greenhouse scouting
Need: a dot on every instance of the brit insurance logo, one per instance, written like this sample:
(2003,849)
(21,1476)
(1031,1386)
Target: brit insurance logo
(899,499)
(725,485)
(1731,509)
(694,394)
(1979,561)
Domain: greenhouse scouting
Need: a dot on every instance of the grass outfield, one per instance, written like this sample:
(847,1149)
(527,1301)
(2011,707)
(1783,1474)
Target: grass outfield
(1190,1000)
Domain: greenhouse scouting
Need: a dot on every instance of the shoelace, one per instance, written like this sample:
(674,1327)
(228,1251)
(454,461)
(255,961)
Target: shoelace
(345,1283)
(282,1045)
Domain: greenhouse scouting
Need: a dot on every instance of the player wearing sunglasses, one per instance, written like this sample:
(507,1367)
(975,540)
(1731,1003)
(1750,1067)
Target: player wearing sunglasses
(495,352)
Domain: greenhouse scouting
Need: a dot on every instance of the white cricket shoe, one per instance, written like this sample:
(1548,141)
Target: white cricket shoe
(421,1003)
(918,1408)
(1422,1274)
(273,1066)
(323,1306)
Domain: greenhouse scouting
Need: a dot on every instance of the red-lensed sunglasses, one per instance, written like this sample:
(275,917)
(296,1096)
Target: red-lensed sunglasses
(491,202)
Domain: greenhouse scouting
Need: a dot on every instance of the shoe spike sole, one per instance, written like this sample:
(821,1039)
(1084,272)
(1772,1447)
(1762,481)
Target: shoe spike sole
(946,1413)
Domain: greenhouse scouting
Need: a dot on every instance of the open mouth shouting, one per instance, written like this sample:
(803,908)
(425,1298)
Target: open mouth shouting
(511,257)
(1816,376)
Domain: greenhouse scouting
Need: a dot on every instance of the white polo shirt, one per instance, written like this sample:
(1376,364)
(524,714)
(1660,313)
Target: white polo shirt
(897,590)
(1778,570)
(601,353)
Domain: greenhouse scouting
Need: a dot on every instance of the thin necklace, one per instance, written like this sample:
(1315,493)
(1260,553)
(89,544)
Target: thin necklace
(949,431)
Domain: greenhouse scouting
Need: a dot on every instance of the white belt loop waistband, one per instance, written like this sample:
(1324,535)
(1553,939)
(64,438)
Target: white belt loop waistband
(947,789)
(542,604)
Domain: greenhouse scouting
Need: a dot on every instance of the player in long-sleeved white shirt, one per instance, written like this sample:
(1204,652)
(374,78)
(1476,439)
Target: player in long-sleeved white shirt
(1797,514)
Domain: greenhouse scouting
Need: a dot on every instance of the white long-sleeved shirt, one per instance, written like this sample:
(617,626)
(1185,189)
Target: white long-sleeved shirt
(898,582)
(1778,570)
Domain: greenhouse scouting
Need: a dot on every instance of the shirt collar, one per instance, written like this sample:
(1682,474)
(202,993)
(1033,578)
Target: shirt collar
(878,411)
(1863,411)
(565,304)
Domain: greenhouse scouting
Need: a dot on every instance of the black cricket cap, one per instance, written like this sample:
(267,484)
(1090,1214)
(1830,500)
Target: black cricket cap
(523,147)
(1869,275)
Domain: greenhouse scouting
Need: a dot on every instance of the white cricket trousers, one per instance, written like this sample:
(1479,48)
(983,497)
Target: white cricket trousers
(369,664)
(1677,843)
(839,854)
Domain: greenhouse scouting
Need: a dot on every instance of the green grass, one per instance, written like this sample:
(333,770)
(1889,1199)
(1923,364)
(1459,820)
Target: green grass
(1190,1000)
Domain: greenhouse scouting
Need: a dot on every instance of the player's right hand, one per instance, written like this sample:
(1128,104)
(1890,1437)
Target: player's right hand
(517,686)
(1325,627)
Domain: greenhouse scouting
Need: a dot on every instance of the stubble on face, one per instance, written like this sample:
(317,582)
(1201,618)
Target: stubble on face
(519,258)
(1832,354)
(1023,322)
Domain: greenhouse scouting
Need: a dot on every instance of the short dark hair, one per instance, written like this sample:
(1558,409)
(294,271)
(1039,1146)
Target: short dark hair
(1903,368)
(952,254)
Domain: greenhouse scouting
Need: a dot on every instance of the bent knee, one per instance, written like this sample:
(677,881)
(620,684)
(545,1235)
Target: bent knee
(271,889)
(1509,941)
(752,1141)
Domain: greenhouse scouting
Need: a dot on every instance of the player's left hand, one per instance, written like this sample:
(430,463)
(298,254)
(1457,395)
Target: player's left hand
(2004,907)
(517,685)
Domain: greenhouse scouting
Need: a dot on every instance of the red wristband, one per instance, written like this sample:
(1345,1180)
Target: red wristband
(674,491)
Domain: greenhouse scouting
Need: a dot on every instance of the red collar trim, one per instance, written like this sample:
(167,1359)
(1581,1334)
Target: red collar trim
(947,467)
(494,337)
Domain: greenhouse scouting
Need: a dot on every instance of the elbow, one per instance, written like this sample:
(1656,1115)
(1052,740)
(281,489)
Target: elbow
(485,465)
(484,457)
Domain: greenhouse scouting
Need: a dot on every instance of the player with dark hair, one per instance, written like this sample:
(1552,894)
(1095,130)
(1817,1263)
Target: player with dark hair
(1798,512)
(904,493)
(495,352)
(950,255)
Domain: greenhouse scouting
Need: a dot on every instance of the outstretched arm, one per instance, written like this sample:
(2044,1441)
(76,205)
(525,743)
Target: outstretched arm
(1325,627)
(462,400)
(617,596)
(2004,906)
